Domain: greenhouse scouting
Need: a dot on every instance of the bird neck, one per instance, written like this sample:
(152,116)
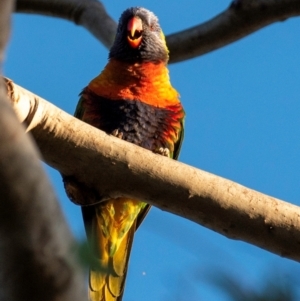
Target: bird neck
(144,81)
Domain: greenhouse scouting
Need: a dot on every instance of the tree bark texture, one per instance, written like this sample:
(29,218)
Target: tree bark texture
(102,166)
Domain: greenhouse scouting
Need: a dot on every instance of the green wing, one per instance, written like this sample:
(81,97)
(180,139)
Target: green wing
(178,144)
(79,111)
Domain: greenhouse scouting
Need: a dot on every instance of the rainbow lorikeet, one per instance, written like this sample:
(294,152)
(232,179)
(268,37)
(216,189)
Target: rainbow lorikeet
(133,99)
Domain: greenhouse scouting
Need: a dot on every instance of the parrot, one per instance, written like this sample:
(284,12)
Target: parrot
(132,99)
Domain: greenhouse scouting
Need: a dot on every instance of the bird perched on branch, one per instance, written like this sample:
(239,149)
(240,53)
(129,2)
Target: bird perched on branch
(132,99)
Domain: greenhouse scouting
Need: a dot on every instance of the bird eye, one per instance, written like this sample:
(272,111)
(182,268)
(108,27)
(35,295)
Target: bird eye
(152,27)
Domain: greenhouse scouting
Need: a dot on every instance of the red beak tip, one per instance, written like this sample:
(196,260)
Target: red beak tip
(134,28)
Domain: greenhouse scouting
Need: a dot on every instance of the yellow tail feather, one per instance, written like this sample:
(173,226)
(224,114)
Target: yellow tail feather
(107,282)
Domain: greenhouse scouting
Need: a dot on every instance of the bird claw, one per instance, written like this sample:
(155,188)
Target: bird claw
(163,151)
(117,134)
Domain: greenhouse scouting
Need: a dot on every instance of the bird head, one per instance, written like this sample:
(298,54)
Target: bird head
(139,38)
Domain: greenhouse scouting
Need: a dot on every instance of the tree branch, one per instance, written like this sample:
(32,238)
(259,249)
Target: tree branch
(242,18)
(35,246)
(112,167)
(90,14)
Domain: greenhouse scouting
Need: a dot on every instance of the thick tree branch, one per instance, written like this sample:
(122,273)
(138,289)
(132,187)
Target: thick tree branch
(109,167)
(242,18)
(35,244)
(90,14)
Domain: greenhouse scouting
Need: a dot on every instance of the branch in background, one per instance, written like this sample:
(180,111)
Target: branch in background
(5,12)
(242,18)
(110,167)
(90,14)
(35,246)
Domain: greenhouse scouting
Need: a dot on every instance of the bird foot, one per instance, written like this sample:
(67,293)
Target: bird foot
(117,133)
(163,151)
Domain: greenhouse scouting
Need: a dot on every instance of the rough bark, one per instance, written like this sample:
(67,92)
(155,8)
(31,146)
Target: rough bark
(36,262)
(109,167)
(242,18)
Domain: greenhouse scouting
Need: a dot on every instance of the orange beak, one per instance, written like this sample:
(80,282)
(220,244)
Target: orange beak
(134,32)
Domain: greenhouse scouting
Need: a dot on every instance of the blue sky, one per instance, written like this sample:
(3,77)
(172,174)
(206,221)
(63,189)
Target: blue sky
(242,105)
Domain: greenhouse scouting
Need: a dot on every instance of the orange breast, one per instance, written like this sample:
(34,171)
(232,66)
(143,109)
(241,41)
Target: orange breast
(147,82)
